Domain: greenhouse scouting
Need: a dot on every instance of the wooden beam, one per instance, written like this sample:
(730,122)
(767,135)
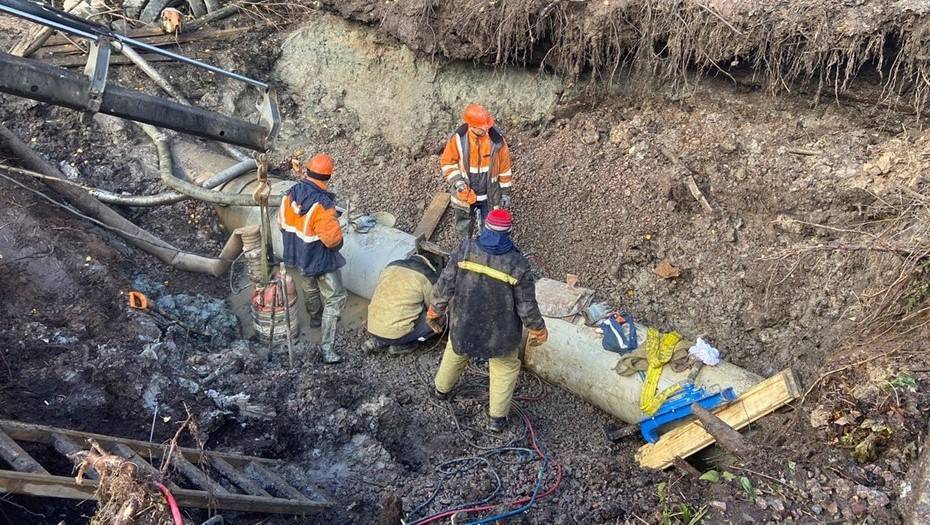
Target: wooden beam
(115,60)
(758,401)
(68,447)
(432,215)
(18,458)
(43,434)
(276,482)
(238,478)
(65,487)
(197,476)
(133,33)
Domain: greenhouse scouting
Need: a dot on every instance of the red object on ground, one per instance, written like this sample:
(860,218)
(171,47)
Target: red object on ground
(172,504)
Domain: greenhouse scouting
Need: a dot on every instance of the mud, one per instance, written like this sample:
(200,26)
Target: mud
(596,195)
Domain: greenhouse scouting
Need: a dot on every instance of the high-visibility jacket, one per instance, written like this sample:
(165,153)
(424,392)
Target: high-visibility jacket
(490,297)
(483,162)
(310,229)
(401,297)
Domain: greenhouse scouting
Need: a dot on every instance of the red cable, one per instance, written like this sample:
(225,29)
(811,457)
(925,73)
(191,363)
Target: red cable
(172,504)
(520,501)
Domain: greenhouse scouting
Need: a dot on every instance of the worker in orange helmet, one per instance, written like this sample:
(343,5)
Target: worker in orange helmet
(312,239)
(476,165)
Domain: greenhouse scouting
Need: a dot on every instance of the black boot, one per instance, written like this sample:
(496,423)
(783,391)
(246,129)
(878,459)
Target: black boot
(396,350)
(497,424)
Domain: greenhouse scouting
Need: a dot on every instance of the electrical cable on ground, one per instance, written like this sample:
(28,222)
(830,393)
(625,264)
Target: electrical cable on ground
(469,463)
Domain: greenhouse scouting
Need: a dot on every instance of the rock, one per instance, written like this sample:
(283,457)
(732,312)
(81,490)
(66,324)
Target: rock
(762,503)
(206,315)
(842,488)
(719,505)
(144,327)
(777,504)
(590,136)
(819,417)
(618,134)
(885,162)
(832,508)
(858,508)
(875,498)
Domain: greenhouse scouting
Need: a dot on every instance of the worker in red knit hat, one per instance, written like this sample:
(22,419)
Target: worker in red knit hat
(494,298)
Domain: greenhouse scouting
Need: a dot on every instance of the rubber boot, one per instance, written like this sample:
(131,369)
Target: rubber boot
(497,424)
(327,342)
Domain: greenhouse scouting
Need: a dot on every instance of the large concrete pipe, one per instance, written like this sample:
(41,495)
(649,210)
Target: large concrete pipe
(572,358)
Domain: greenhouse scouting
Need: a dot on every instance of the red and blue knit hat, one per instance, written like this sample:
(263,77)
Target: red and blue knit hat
(499,220)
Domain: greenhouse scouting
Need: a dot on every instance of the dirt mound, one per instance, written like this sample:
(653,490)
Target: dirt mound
(827,41)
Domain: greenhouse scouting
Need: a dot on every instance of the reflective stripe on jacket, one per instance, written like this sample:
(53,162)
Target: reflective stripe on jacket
(480,161)
(310,229)
(489,297)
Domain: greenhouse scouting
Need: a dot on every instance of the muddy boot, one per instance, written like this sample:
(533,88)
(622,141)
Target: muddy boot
(328,341)
(440,396)
(396,350)
(497,424)
(370,346)
(329,356)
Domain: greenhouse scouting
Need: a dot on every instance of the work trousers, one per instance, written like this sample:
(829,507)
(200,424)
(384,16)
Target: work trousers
(465,219)
(421,332)
(503,371)
(325,297)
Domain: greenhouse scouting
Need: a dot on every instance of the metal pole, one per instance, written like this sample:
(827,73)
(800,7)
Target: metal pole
(287,316)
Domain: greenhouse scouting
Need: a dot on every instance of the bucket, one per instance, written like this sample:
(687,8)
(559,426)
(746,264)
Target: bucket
(270,314)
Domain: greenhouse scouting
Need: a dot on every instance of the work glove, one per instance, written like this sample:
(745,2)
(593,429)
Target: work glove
(537,337)
(435,320)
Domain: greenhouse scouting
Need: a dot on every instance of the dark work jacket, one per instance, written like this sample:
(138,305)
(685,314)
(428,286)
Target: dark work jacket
(487,313)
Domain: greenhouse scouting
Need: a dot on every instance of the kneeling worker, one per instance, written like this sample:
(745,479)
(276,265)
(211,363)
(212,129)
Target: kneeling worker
(397,312)
(494,296)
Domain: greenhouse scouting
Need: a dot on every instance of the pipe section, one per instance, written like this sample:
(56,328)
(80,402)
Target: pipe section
(574,359)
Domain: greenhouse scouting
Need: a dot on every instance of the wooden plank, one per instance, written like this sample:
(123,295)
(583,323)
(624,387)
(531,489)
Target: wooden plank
(161,39)
(758,401)
(134,33)
(17,457)
(238,478)
(276,482)
(65,487)
(115,60)
(432,215)
(42,434)
(68,447)
(197,476)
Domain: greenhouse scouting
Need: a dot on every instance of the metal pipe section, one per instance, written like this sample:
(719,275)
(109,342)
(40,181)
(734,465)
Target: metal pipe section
(574,359)
(35,80)
(172,197)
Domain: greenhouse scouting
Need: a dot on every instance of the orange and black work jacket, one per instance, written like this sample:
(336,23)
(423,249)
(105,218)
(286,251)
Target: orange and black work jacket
(480,161)
(310,229)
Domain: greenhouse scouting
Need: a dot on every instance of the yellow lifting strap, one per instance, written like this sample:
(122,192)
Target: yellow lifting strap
(659,350)
(487,270)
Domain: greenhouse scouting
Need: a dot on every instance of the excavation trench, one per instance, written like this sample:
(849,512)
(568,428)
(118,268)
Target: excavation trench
(573,358)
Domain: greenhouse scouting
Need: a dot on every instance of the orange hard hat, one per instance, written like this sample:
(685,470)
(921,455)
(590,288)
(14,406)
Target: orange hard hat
(478,116)
(321,164)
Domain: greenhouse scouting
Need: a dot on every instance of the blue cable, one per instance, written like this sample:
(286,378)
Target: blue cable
(529,504)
